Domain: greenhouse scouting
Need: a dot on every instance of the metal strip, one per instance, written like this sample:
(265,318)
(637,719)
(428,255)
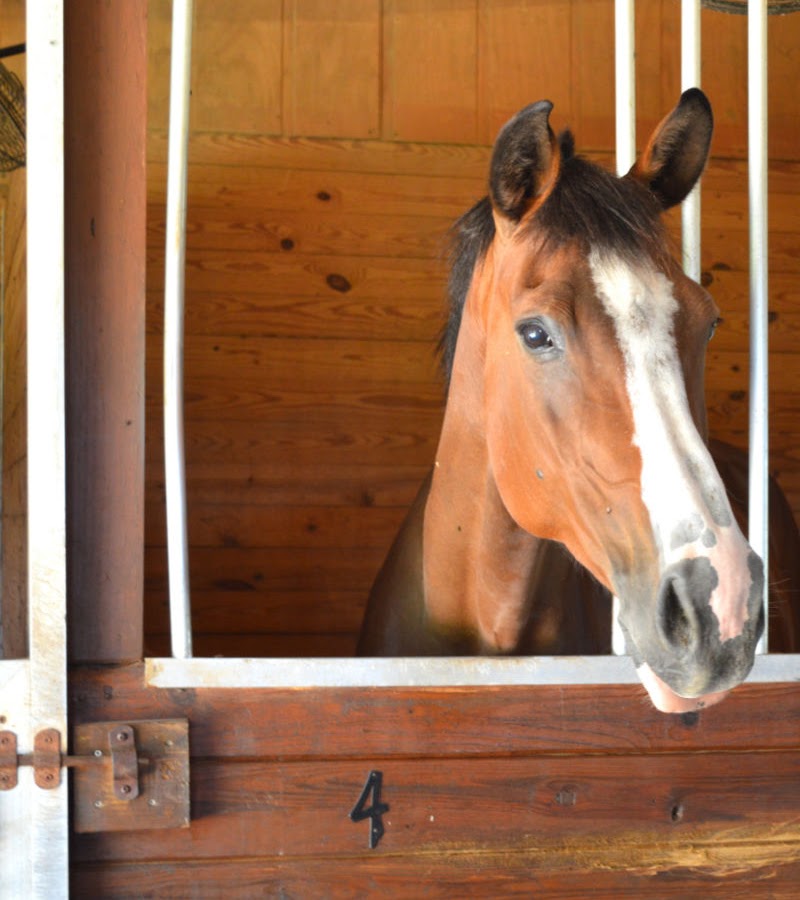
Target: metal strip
(48,831)
(175,257)
(759,260)
(690,77)
(473,671)
(625,84)
(625,118)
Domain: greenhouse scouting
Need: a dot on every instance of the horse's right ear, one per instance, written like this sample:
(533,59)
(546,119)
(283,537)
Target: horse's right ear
(524,163)
(678,150)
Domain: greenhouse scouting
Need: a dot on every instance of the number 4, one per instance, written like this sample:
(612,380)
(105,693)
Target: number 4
(373,812)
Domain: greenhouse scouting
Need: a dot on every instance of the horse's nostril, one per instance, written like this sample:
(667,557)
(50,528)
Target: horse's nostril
(675,623)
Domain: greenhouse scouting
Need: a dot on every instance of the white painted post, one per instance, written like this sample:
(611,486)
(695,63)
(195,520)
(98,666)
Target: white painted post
(33,692)
(175,257)
(625,84)
(759,262)
(690,77)
(625,117)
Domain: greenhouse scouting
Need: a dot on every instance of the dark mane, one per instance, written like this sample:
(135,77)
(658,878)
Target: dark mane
(588,204)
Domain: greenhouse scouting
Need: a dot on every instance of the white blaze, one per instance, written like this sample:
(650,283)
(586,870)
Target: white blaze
(681,488)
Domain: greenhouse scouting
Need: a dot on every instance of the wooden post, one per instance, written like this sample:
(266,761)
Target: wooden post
(105,128)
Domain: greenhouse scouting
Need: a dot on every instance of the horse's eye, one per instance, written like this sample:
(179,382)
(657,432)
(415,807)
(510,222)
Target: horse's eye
(713,328)
(535,336)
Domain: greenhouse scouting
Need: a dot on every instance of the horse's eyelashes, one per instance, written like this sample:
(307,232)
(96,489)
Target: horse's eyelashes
(535,336)
(714,325)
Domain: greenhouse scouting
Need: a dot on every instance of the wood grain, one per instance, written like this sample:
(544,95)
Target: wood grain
(260,808)
(504,874)
(491,789)
(104,159)
(331,68)
(367,724)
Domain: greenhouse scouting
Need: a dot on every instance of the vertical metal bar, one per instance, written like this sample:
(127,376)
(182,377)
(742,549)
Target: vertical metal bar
(174,459)
(46,429)
(625,84)
(757,175)
(690,77)
(625,117)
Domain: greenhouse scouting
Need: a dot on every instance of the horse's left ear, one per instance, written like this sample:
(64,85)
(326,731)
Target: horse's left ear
(678,150)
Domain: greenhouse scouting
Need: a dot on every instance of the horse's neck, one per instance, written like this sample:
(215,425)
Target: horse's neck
(477,562)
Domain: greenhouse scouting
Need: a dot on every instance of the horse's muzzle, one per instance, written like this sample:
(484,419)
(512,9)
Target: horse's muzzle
(689,654)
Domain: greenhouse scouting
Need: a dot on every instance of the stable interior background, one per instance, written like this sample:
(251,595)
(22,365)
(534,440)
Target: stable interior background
(332,145)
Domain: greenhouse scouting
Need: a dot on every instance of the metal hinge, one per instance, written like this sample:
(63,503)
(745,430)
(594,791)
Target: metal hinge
(128,775)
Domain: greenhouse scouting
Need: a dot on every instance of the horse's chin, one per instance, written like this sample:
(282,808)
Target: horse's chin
(667,701)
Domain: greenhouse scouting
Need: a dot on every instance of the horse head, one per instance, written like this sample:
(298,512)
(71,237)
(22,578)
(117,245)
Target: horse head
(576,397)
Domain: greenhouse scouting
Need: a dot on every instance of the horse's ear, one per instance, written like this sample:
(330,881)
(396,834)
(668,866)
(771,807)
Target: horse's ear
(524,162)
(678,150)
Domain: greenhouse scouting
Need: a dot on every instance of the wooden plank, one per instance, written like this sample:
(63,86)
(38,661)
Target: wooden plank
(262,480)
(523,56)
(273,569)
(320,364)
(231,525)
(277,644)
(328,435)
(105,100)
(236,65)
(341,426)
(593,74)
(430,70)
(367,278)
(325,192)
(369,724)
(217,227)
(276,809)
(332,68)
(272,315)
(508,874)
(316,154)
(221,613)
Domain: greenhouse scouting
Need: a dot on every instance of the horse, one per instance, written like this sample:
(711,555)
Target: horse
(573,460)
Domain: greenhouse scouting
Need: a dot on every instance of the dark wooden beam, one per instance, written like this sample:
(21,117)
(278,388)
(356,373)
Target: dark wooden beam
(105,126)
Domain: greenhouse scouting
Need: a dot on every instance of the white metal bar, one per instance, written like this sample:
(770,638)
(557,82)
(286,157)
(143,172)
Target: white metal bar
(759,260)
(625,84)
(45,427)
(421,672)
(175,257)
(690,77)
(625,118)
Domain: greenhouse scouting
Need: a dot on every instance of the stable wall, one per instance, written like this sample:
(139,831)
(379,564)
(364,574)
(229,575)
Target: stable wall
(331,149)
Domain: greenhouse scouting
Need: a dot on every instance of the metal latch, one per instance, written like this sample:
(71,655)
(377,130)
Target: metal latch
(129,775)
(45,759)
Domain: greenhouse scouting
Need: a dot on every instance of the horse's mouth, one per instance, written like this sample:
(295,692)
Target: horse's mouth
(667,701)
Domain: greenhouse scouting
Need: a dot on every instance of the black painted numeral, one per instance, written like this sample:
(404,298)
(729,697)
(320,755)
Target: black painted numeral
(373,812)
